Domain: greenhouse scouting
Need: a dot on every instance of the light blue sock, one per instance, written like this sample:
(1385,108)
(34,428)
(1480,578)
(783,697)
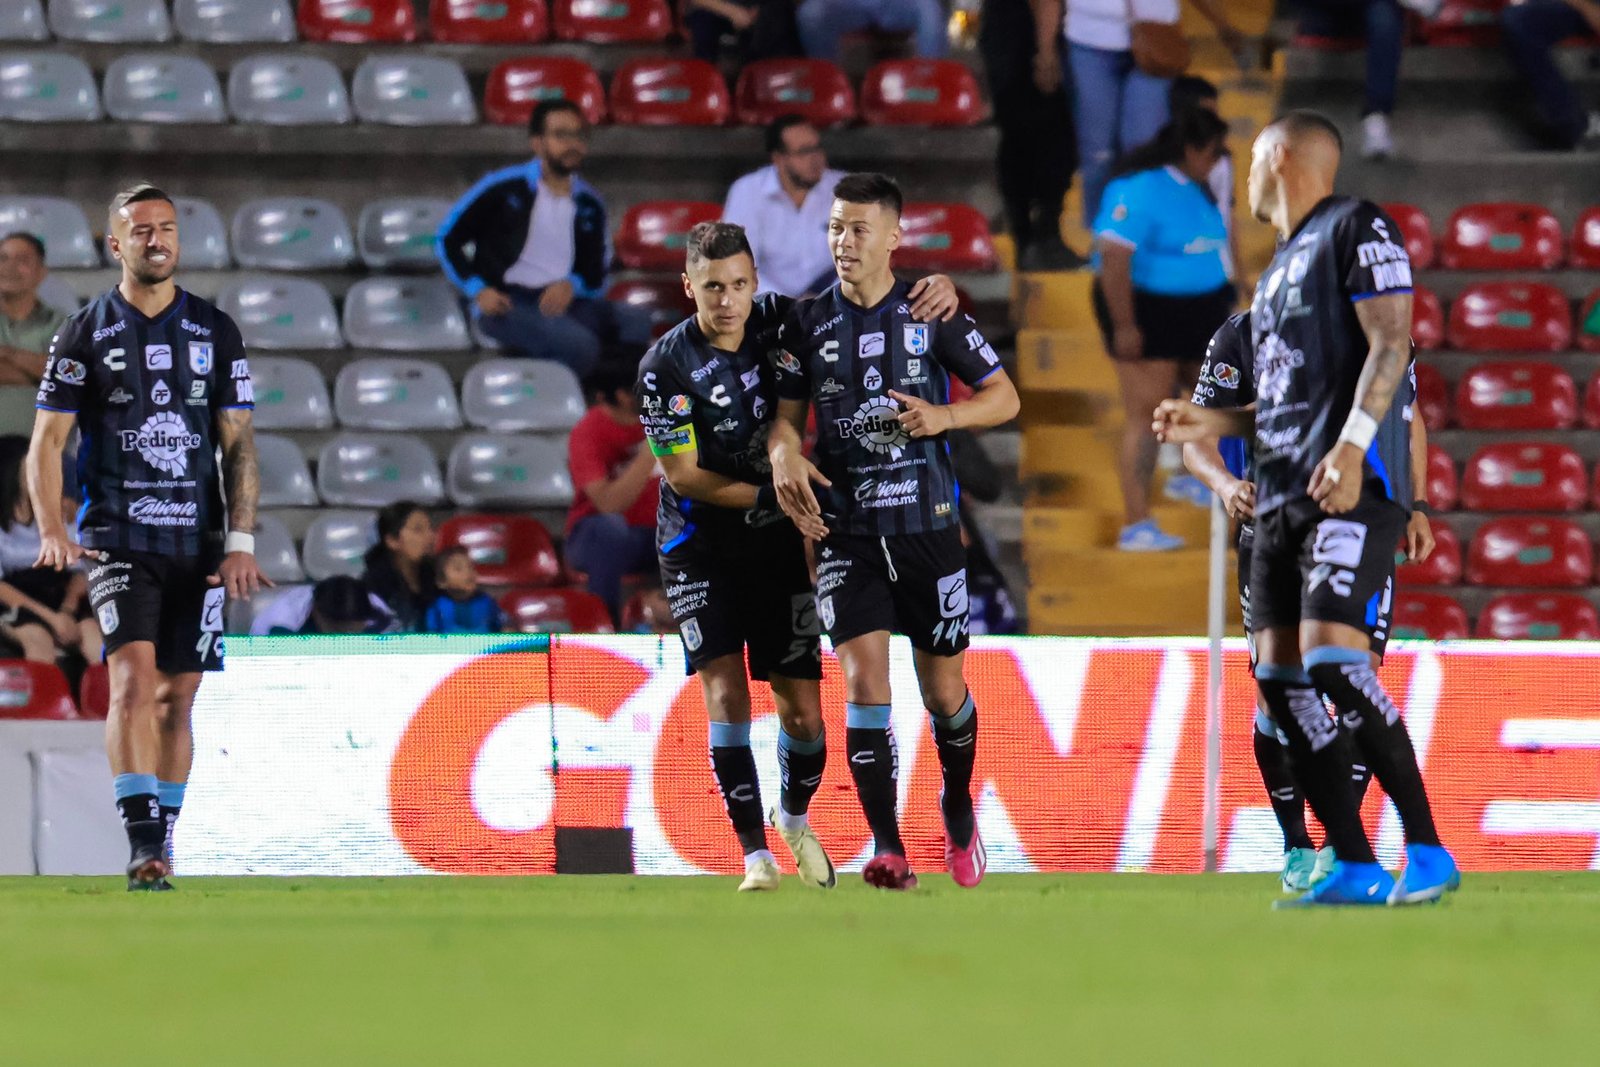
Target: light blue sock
(729,734)
(134,785)
(799,747)
(956,721)
(866,716)
(171,793)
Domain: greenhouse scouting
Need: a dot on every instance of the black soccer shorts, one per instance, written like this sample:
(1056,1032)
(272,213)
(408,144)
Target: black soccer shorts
(140,596)
(734,587)
(1379,630)
(914,584)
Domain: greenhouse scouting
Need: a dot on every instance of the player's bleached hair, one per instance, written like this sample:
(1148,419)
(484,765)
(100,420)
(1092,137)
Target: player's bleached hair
(868,188)
(137,193)
(1302,121)
(716,240)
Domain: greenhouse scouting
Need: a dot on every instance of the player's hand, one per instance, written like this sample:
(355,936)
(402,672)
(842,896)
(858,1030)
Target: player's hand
(555,299)
(1336,483)
(1127,343)
(60,552)
(1419,538)
(1239,499)
(934,298)
(792,475)
(922,419)
(1179,421)
(240,575)
(492,301)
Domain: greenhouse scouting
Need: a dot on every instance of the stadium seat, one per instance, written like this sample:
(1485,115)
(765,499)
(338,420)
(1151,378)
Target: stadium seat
(1443,567)
(1508,395)
(398,234)
(662,299)
(1586,240)
(34,691)
(290,394)
(358,21)
(275,551)
(110,21)
(1511,317)
(17,407)
(23,20)
(161,87)
(669,92)
(1441,489)
(1416,232)
(507,549)
(47,87)
(1501,237)
(1589,324)
(292,233)
(204,236)
(389,393)
(653,234)
(1539,617)
(280,313)
(412,91)
(502,471)
(477,22)
(374,470)
(1429,617)
(1518,550)
(516,85)
(921,92)
(234,21)
(288,90)
(1433,397)
(60,224)
(1427,319)
(336,541)
(59,294)
(405,314)
(555,611)
(944,237)
(521,396)
(611,21)
(1524,476)
(1464,23)
(285,478)
(94,692)
(812,88)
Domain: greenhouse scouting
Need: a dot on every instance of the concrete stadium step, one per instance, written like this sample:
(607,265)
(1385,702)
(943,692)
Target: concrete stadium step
(1048,530)
(1054,301)
(1065,360)
(1453,365)
(1460,444)
(1157,592)
(1564,182)
(1437,121)
(1467,523)
(1577,283)
(1476,597)
(1477,66)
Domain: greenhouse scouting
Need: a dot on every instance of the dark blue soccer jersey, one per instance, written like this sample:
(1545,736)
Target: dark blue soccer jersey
(147,393)
(1227,380)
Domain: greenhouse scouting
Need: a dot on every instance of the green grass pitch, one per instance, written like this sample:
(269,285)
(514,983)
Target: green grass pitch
(1027,969)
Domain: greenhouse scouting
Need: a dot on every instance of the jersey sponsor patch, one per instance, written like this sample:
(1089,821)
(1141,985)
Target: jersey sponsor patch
(876,424)
(872,380)
(160,394)
(200,357)
(211,610)
(1226,375)
(71,371)
(164,442)
(952,590)
(157,357)
(153,511)
(679,404)
(1339,542)
(673,441)
(119,396)
(870,345)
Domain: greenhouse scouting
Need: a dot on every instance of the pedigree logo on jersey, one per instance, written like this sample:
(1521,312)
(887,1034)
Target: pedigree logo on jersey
(876,424)
(1276,363)
(163,441)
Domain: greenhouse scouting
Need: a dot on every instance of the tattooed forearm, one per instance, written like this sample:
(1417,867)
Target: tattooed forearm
(241,476)
(1386,320)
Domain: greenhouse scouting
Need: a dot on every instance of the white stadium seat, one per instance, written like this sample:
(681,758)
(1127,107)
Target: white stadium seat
(59,294)
(405,315)
(375,470)
(161,87)
(47,87)
(110,21)
(290,394)
(275,551)
(285,478)
(398,234)
(234,21)
(521,395)
(412,91)
(202,237)
(279,313)
(502,471)
(23,20)
(292,233)
(60,224)
(336,541)
(395,394)
(287,90)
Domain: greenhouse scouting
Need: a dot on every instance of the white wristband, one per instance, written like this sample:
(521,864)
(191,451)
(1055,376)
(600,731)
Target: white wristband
(237,541)
(1359,430)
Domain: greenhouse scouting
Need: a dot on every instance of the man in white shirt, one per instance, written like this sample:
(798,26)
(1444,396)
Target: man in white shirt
(784,210)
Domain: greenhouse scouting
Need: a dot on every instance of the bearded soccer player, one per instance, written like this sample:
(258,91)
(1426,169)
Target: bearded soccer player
(892,559)
(1330,332)
(733,565)
(157,382)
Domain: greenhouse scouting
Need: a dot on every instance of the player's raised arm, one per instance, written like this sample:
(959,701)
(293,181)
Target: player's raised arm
(240,574)
(57,549)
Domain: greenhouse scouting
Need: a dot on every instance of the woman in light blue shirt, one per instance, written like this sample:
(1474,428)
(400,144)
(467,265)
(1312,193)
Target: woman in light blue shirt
(1161,290)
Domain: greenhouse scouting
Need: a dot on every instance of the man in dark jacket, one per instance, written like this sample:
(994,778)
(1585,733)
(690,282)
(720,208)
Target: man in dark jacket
(529,246)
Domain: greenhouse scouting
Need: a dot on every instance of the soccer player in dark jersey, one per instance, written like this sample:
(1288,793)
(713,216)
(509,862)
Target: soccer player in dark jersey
(157,383)
(878,375)
(733,565)
(1330,327)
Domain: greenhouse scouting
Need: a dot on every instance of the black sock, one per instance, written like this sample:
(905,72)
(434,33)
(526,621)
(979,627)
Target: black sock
(874,765)
(1319,756)
(801,764)
(1360,777)
(141,818)
(1272,759)
(957,740)
(735,767)
(169,823)
(1347,679)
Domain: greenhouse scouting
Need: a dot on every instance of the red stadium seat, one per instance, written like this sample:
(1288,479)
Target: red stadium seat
(1433,397)
(662,299)
(1525,551)
(944,237)
(1524,477)
(1441,568)
(1539,617)
(1586,240)
(31,690)
(611,21)
(1427,319)
(1465,23)
(669,92)
(358,21)
(555,611)
(921,92)
(812,88)
(507,549)
(1429,616)
(653,234)
(1502,237)
(1589,324)
(1511,317)
(1416,231)
(1516,396)
(478,22)
(518,85)
(1441,488)
(94,692)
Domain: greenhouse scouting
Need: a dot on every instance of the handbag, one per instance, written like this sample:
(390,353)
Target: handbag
(1159,48)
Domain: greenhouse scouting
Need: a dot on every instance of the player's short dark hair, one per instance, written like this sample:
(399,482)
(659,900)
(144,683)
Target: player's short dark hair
(608,379)
(545,108)
(137,193)
(781,125)
(32,240)
(1188,91)
(870,188)
(716,240)
(1303,120)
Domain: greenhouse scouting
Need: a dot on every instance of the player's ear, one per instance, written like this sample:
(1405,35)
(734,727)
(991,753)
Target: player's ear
(894,236)
(114,246)
(688,287)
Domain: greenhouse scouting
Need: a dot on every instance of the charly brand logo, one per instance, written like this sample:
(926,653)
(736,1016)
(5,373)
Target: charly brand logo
(163,441)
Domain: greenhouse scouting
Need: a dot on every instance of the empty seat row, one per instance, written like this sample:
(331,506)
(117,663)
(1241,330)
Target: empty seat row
(1513,476)
(1507,395)
(1506,317)
(1508,617)
(30,690)
(1498,236)
(1516,551)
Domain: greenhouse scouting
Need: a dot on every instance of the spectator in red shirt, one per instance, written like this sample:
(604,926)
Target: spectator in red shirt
(611,528)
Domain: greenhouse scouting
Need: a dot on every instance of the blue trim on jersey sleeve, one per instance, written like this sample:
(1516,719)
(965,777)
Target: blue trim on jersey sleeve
(64,411)
(1358,297)
(1379,469)
(992,371)
(237,407)
(1372,608)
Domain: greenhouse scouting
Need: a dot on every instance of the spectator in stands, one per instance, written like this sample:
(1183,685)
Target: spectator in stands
(1531,28)
(27,324)
(43,612)
(462,607)
(824,22)
(1190,92)
(400,566)
(611,528)
(784,209)
(336,605)
(1161,290)
(764,29)
(529,245)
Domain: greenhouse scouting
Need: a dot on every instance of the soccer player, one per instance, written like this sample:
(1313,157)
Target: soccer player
(157,382)
(733,565)
(1330,332)
(892,559)
(1227,380)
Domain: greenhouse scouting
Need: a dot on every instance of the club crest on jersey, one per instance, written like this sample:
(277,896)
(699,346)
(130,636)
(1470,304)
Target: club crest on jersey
(157,357)
(876,424)
(916,339)
(825,612)
(692,638)
(109,619)
(200,357)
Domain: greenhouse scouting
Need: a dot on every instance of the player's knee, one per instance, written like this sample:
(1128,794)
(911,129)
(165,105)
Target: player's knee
(944,696)
(1331,667)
